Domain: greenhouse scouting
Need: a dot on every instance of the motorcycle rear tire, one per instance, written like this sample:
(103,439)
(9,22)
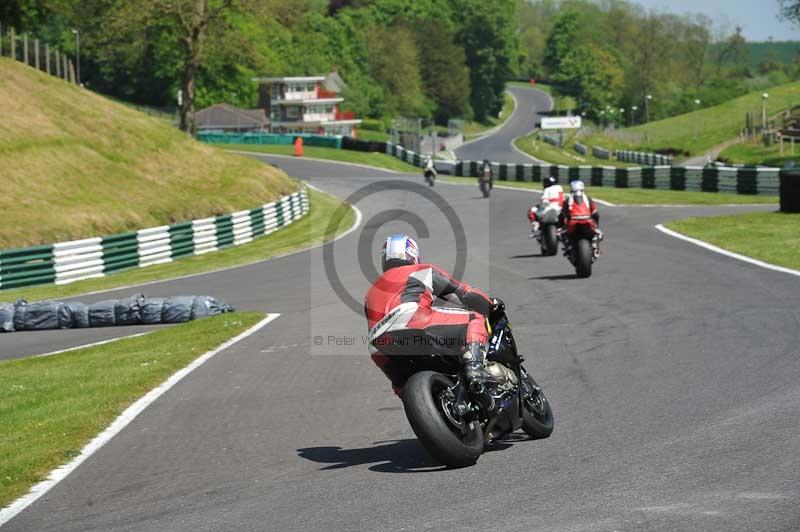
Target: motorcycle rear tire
(485,189)
(549,240)
(442,443)
(583,258)
(538,425)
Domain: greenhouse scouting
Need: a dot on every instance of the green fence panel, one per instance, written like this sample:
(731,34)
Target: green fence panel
(649,177)
(181,239)
(709,180)
(519,172)
(621,178)
(224,230)
(677,178)
(120,252)
(537,173)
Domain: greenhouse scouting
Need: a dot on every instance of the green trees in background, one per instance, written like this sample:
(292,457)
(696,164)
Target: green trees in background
(614,53)
(438,58)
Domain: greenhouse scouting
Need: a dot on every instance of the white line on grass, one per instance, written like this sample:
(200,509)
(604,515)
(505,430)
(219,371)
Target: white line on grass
(727,253)
(130,413)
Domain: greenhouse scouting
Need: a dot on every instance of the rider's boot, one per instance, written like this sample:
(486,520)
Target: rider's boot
(476,375)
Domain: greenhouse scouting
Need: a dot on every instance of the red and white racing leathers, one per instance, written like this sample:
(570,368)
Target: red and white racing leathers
(402,319)
(552,194)
(579,210)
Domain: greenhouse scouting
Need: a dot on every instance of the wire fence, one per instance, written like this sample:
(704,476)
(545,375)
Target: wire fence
(34,53)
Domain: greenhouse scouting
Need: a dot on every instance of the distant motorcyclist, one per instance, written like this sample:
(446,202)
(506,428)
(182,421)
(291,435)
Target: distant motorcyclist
(486,171)
(402,319)
(552,193)
(578,207)
(429,170)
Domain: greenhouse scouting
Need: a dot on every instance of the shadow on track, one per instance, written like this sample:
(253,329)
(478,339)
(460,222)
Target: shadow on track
(554,277)
(396,456)
(531,256)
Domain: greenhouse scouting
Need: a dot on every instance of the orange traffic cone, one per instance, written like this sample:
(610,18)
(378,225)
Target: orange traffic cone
(298,147)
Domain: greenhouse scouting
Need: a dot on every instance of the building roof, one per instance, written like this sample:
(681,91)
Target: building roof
(305,79)
(223,115)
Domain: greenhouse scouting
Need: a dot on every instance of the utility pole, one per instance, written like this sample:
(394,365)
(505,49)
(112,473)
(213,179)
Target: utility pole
(647,107)
(764,111)
(696,121)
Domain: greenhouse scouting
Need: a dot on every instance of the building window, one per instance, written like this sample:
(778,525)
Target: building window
(292,113)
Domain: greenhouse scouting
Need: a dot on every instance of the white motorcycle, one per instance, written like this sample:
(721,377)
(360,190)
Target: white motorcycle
(547,234)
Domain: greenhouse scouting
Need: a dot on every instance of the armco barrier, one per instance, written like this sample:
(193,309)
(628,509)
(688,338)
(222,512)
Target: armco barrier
(639,157)
(601,153)
(581,148)
(66,262)
(739,180)
(217,137)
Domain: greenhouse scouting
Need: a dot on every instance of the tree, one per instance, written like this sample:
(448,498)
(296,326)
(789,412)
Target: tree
(191,20)
(393,62)
(790,10)
(487,35)
(444,72)
(560,43)
(733,51)
(591,75)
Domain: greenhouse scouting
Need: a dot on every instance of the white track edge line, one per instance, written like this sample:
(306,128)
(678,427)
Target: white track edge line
(130,413)
(93,344)
(731,254)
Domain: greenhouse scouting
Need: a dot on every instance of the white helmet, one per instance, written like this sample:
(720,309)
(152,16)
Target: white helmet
(577,186)
(399,250)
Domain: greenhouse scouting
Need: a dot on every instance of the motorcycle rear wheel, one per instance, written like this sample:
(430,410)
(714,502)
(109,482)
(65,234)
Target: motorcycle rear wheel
(485,189)
(549,240)
(424,403)
(583,258)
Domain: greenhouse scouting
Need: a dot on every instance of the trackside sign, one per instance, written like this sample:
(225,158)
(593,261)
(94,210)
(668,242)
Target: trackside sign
(561,122)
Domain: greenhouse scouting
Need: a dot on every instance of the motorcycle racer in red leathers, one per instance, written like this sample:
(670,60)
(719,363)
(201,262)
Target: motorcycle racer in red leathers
(403,321)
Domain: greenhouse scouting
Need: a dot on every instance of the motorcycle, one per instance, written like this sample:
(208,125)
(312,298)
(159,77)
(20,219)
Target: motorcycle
(430,176)
(449,418)
(547,234)
(486,181)
(582,246)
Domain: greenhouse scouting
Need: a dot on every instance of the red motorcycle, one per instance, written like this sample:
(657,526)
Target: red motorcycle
(582,244)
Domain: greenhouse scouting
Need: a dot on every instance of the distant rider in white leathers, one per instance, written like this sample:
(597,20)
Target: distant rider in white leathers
(552,194)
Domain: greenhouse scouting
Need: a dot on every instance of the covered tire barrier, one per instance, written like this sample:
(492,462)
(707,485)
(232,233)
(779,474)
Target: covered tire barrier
(790,190)
(135,310)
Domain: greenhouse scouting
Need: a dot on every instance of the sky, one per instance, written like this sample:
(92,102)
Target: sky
(758,18)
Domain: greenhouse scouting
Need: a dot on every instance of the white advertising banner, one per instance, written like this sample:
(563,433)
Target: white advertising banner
(561,122)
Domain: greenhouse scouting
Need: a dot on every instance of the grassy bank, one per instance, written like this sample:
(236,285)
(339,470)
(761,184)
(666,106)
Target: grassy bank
(380,160)
(639,196)
(76,164)
(769,236)
(50,407)
(758,154)
(475,129)
(697,132)
(309,230)
(567,155)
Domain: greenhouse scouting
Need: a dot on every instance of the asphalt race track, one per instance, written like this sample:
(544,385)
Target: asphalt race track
(674,374)
(497,146)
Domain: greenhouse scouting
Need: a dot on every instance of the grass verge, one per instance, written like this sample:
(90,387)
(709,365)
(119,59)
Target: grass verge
(309,230)
(76,165)
(697,132)
(772,237)
(380,160)
(639,196)
(50,407)
(758,154)
(475,129)
(535,147)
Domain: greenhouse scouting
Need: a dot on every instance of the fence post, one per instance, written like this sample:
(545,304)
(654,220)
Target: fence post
(13,44)
(72,73)
(58,64)
(64,66)
(36,53)
(25,48)
(47,57)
